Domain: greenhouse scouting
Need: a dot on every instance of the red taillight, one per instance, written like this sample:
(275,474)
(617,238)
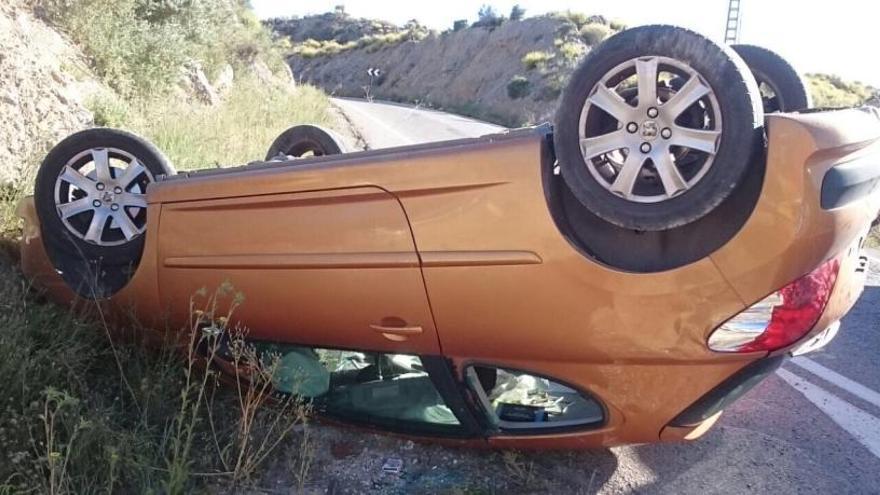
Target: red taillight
(781,318)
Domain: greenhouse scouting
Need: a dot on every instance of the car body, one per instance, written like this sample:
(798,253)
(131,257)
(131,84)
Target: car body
(456,253)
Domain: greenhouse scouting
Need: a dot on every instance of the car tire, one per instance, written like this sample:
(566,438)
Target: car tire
(90,197)
(705,140)
(301,140)
(789,91)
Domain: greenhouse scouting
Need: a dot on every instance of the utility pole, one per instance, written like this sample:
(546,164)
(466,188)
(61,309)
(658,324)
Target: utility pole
(734,16)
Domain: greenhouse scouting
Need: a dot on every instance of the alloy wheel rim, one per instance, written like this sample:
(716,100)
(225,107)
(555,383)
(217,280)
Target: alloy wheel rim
(100,196)
(665,138)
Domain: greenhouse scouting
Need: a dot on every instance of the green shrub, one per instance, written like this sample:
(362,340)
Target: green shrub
(488,17)
(578,18)
(459,25)
(517,13)
(518,87)
(108,110)
(371,43)
(832,91)
(380,41)
(138,46)
(594,33)
(311,43)
(306,51)
(534,59)
(873,239)
(566,30)
(617,25)
(571,52)
(552,87)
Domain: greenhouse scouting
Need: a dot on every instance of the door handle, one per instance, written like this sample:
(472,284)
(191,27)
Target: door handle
(397,333)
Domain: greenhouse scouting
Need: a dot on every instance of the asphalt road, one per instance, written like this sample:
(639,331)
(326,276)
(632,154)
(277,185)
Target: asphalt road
(384,125)
(814,427)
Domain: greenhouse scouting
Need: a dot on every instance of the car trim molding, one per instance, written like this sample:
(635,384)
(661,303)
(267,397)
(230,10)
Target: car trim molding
(479,258)
(306,261)
(302,261)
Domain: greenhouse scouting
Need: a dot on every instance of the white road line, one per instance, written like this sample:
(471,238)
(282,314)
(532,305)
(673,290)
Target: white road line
(835,378)
(864,427)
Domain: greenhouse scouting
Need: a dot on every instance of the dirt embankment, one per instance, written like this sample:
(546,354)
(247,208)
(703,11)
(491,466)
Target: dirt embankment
(49,87)
(510,74)
(44,84)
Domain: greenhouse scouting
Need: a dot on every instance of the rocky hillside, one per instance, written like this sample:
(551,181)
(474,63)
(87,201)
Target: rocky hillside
(509,72)
(69,64)
(44,84)
(330,26)
(506,71)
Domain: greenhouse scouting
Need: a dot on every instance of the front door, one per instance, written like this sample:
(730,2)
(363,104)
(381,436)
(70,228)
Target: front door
(333,268)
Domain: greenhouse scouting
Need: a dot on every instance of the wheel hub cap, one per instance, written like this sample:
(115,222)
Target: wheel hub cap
(627,113)
(100,196)
(650,130)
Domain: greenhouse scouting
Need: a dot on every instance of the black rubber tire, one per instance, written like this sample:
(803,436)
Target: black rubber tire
(742,132)
(768,67)
(81,262)
(302,139)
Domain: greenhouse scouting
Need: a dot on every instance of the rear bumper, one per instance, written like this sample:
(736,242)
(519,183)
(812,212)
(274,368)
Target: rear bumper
(731,389)
(850,181)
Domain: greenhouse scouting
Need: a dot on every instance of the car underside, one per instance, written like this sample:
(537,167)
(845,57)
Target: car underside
(466,290)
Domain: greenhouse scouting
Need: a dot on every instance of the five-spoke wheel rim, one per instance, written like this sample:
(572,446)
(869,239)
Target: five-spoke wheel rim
(650,129)
(100,196)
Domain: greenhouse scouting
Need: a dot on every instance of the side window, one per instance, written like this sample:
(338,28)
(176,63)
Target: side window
(514,400)
(391,390)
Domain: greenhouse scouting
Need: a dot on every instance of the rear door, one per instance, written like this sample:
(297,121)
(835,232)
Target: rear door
(334,268)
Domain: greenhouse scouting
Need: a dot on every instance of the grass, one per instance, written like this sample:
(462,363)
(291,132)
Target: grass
(138,46)
(77,421)
(236,132)
(90,408)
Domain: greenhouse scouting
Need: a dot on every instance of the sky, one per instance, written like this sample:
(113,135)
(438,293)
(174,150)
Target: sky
(837,36)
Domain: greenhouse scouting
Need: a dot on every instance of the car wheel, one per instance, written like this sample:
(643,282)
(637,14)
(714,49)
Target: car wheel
(657,126)
(90,196)
(782,87)
(305,140)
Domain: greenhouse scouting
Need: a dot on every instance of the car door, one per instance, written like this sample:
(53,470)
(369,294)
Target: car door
(334,268)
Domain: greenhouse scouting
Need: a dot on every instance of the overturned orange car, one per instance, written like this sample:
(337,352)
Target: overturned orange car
(618,277)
